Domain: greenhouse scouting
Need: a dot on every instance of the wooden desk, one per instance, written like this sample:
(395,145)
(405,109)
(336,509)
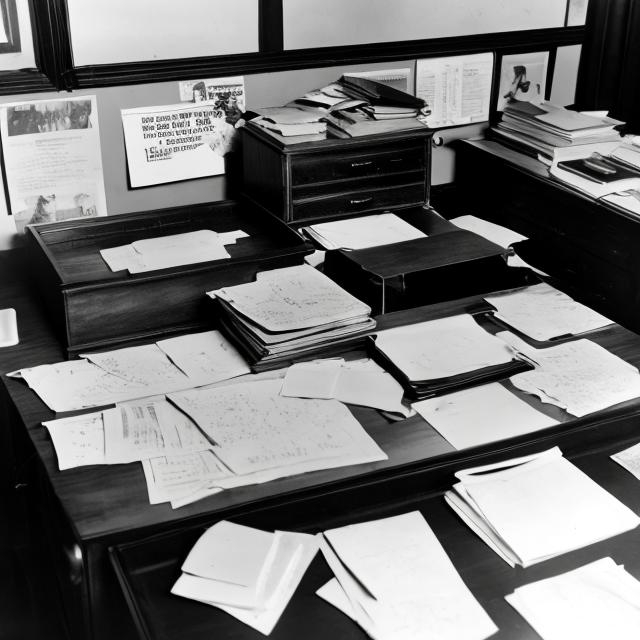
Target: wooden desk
(89,509)
(589,243)
(149,568)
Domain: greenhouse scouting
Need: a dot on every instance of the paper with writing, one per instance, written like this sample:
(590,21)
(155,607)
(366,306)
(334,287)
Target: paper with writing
(482,414)
(442,348)
(292,298)
(78,441)
(542,312)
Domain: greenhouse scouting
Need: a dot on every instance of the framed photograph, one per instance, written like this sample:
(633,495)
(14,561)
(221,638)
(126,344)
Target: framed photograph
(9,29)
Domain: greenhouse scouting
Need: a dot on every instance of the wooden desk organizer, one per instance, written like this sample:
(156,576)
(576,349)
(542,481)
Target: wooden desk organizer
(93,307)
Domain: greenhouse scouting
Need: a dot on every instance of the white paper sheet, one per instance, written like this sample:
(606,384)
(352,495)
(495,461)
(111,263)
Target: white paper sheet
(580,376)
(542,312)
(8,328)
(537,507)
(479,415)
(457,89)
(412,583)
(175,142)
(78,441)
(52,158)
(292,298)
(493,232)
(629,459)
(205,357)
(598,600)
(255,429)
(442,348)
(364,232)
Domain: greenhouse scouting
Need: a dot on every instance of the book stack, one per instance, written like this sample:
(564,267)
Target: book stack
(349,107)
(554,133)
(288,313)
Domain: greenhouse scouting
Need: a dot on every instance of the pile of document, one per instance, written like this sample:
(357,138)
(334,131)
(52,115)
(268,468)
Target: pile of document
(363,232)
(165,252)
(578,376)
(248,573)
(554,133)
(115,376)
(288,313)
(598,600)
(543,313)
(395,580)
(217,438)
(438,356)
(290,124)
(537,507)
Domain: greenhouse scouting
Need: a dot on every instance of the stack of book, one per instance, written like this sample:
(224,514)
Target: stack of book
(554,133)
(288,313)
(349,107)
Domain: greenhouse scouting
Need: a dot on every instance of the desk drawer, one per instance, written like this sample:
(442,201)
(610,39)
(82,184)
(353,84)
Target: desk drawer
(372,161)
(359,201)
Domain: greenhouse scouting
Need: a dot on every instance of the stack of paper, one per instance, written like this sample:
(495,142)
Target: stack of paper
(544,313)
(290,312)
(363,232)
(360,382)
(537,507)
(579,376)
(290,124)
(249,573)
(444,355)
(598,600)
(395,580)
(170,251)
(493,232)
(135,372)
(479,415)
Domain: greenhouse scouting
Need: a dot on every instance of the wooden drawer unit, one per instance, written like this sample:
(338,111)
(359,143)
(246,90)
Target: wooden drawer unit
(331,178)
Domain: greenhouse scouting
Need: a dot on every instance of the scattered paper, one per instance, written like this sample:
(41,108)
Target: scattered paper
(493,232)
(399,581)
(479,415)
(579,376)
(537,507)
(629,459)
(78,441)
(543,313)
(598,600)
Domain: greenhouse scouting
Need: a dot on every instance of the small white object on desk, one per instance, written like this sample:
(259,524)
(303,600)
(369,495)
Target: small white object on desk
(489,230)
(8,328)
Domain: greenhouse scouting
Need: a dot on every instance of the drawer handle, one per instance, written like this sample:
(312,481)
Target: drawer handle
(361,200)
(361,163)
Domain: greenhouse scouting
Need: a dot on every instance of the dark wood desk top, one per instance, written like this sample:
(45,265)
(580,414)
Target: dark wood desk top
(110,503)
(148,569)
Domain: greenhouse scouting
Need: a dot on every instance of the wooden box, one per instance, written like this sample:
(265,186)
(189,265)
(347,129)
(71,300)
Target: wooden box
(449,263)
(94,307)
(336,177)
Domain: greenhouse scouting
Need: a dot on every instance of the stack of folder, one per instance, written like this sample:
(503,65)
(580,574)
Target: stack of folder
(249,573)
(537,507)
(288,313)
(438,356)
(554,133)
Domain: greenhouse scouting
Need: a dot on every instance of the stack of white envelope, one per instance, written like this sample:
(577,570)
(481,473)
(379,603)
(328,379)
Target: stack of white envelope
(396,581)
(537,507)
(249,573)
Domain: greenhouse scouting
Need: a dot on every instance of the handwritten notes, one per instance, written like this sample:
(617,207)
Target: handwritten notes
(79,441)
(543,313)
(292,298)
(579,376)
(255,429)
